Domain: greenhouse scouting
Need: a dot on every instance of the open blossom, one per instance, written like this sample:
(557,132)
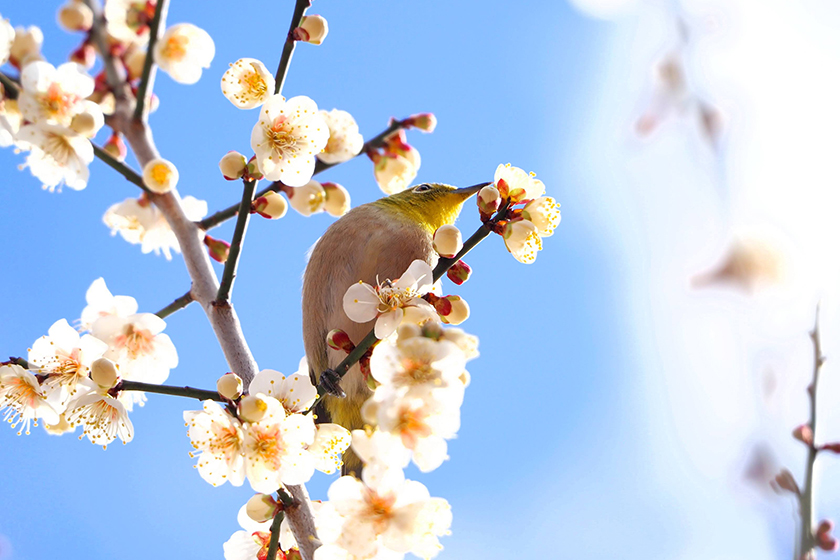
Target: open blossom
(522,239)
(139,221)
(66,357)
(54,95)
(218,440)
(183,51)
(309,199)
(102,417)
(251,543)
(101,303)
(129,20)
(10,120)
(247,83)
(516,184)
(160,176)
(7,37)
(295,392)
(381,514)
(56,155)
(345,140)
(393,172)
(23,398)
(287,137)
(385,302)
(138,345)
(544,213)
(328,447)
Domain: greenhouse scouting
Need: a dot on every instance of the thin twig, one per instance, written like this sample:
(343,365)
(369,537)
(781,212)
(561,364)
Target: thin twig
(147,80)
(274,540)
(119,167)
(289,45)
(12,87)
(176,305)
(200,394)
(806,537)
(376,142)
(236,243)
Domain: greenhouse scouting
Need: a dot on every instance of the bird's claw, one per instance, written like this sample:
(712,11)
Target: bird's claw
(331,382)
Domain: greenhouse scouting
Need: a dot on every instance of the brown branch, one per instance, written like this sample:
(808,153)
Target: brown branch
(806,537)
(176,305)
(289,46)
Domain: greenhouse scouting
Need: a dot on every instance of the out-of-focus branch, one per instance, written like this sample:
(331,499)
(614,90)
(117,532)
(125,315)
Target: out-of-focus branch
(232,261)
(176,305)
(115,78)
(289,46)
(806,537)
(12,87)
(147,80)
(374,143)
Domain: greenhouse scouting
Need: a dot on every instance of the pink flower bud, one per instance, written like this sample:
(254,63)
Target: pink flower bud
(116,147)
(422,121)
(805,434)
(103,372)
(229,386)
(312,29)
(84,55)
(272,205)
(785,481)
(233,165)
(261,507)
(337,339)
(217,248)
(459,272)
(824,538)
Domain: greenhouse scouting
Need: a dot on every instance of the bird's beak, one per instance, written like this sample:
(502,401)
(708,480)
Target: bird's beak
(469,191)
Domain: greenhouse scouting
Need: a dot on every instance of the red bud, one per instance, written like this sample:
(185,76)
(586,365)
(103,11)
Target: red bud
(217,249)
(337,339)
(422,121)
(805,434)
(785,481)
(824,538)
(459,272)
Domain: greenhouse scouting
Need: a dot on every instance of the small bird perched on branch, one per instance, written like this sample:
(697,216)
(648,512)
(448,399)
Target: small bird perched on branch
(376,240)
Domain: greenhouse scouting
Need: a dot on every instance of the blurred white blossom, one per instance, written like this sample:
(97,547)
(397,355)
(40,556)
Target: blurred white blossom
(183,51)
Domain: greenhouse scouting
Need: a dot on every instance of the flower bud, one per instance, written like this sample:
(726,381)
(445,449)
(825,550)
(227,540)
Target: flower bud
(160,176)
(447,241)
(261,507)
(804,433)
(337,339)
(459,272)
(785,481)
(543,212)
(337,199)
(135,60)
(422,121)
(488,200)
(312,29)
(272,205)
(824,539)
(83,123)
(229,386)
(253,171)
(459,311)
(253,408)
(103,372)
(75,16)
(393,172)
(408,330)
(116,147)
(308,199)
(217,248)
(26,47)
(84,55)
(233,165)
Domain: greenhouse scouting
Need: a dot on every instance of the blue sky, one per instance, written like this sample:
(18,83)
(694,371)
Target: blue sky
(612,410)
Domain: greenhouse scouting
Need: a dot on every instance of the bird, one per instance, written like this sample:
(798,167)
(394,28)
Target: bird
(378,240)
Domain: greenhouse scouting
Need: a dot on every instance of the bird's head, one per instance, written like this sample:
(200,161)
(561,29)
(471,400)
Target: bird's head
(431,205)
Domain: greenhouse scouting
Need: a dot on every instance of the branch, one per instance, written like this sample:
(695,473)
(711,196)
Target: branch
(806,538)
(376,142)
(232,261)
(289,46)
(147,80)
(115,78)
(120,167)
(176,305)
(274,540)
(200,394)
(12,87)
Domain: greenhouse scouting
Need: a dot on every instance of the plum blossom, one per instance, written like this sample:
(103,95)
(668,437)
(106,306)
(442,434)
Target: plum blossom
(522,240)
(7,37)
(56,155)
(218,439)
(53,95)
(128,20)
(345,140)
(544,213)
(330,443)
(287,137)
(66,357)
(309,199)
(102,417)
(102,303)
(23,398)
(183,51)
(394,172)
(10,121)
(385,302)
(247,83)
(516,184)
(138,345)
(251,543)
(295,392)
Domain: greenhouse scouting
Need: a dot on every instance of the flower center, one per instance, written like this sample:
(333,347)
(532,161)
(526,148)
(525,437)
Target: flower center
(254,84)
(392,298)
(416,372)
(56,102)
(59,149)
(176,48)
(161,173)
(268,445)
(136,341)
(282,139)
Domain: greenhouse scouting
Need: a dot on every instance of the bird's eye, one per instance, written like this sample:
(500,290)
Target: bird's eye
(422,188)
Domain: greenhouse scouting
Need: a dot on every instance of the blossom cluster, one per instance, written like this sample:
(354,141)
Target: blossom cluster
(73,379)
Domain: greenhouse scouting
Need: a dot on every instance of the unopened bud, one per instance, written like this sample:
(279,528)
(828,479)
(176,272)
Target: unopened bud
(488,200)
(422,121)
(229,386)
(272,205)
(233,165)
(447,241)
(103,372)
(84,55)
(459,312)
(135,60)
(308,199)
(75,16)
(115,146)
(337,339)
(824,539)
(312,29)
(253,171)
(785,481)
(459,272)
(160,176)
(83,123)
(408,330)
(337,201)
(26,46)
(253,408)
(217,248)
(805,434)
(261,507)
